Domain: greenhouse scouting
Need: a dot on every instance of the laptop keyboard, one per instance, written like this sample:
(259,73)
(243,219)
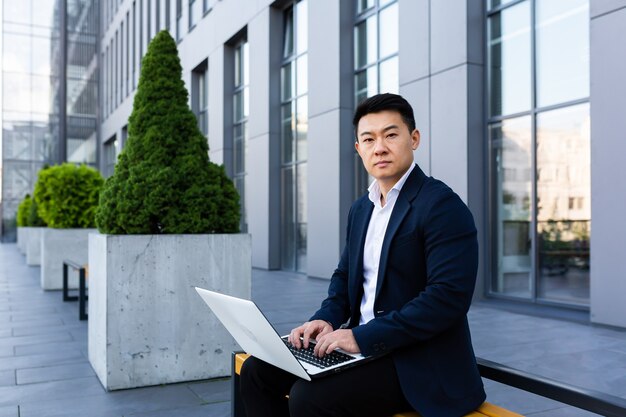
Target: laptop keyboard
(307,355)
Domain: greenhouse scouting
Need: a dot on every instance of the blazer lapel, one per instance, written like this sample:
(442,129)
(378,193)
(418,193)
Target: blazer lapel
(402,207)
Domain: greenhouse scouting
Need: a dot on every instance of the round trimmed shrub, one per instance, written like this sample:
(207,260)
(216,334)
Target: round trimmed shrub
(23,210)
(163,180)
(67,195)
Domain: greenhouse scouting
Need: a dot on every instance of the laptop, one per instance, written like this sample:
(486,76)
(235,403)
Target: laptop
(254,333)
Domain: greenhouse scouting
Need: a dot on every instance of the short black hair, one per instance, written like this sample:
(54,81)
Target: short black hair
(382,102)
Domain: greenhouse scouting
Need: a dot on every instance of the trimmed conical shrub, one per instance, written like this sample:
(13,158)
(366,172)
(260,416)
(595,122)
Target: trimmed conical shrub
(163,180)
(66,196)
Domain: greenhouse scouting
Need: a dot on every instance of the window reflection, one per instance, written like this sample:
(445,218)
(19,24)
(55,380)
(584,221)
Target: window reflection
(294,137)
(509,60)
(564,203)
(562,51)
(511,153)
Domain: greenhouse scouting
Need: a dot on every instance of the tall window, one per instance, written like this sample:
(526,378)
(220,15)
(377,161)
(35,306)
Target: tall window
(179,19)
(294,129)
(200,96)
(127,60)
(240,126)
(539,128)
(135,72)
(167,14)
(195,12)
(375,60)
(110,156)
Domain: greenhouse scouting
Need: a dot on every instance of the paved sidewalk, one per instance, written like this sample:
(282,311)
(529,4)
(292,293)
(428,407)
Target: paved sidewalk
(44,370)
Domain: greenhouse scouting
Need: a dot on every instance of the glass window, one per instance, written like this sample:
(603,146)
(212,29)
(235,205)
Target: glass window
(200,96)
(294,137)
(540,160)
(389,76)
(366,42)
(389,38)
(564,204)
(240,121)
(17,11)
(511,160)
(509,60)
(195,12)
(110,156)
(562,51)
(179,19)
(17,51)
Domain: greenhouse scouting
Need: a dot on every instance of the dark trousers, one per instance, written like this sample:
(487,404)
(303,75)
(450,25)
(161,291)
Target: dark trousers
(370,389)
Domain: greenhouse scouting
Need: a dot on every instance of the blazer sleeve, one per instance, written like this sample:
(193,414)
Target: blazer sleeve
(451,256)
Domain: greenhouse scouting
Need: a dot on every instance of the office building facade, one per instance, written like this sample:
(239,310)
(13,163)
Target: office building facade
(504,93)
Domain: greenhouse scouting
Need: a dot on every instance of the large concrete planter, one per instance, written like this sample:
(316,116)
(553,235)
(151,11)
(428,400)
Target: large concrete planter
(33,245)
(58,245)
(21,239)
(147,324)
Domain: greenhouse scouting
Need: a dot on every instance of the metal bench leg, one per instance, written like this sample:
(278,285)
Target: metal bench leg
(82,295)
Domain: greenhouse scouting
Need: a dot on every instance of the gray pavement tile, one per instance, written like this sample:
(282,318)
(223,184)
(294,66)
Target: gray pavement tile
(6,351)
(9,411)
(44,320)
(19,330)
(7,378)
(212,391)
(115,403)
(30,361)
(35,339)
(17,317)
(208,410)
(563,412)
(43,348)
(41,394)
(5,332)
(54,373)
(517,400)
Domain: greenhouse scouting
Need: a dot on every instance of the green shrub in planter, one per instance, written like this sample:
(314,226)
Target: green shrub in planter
(67,195)
(34,220)
(23,210)
(163,180)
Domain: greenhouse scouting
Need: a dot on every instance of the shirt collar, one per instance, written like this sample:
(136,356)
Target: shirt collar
(374,188)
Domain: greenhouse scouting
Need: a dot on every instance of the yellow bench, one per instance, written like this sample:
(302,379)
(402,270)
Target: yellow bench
(485,410)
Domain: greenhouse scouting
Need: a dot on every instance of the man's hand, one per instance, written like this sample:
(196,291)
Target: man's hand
(309,330)
(339,339)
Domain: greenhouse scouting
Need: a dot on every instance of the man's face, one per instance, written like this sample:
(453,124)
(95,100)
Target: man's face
(386,146)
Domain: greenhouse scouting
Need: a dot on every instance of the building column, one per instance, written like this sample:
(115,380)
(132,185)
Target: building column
(262,159)
(608,199)
(330,136)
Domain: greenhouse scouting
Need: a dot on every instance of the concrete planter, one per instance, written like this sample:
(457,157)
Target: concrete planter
(57,245)
(147,324)
(21,239)
(33,245)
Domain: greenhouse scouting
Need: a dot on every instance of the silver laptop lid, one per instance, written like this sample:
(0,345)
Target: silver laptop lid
(247,324)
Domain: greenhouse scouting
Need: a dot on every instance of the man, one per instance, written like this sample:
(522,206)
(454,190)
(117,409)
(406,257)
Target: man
(401,290)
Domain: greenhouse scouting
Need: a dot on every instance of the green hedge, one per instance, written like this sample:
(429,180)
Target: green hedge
(23,210)
(163,180)
(67,195)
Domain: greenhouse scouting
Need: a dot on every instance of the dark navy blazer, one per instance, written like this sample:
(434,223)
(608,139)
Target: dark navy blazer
(426,278)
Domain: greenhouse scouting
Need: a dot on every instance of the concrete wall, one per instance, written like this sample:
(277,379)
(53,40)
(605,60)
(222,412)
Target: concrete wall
(608,197)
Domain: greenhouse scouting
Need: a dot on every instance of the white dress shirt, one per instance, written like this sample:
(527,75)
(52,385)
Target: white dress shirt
(374,242)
